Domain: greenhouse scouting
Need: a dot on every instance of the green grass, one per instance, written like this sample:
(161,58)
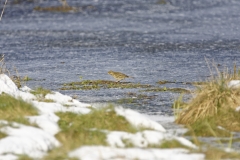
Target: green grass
(169,144)
(207,128)
(15,110)
(78,130)
(2,135)
(24,157)
(40,93)
(26,78)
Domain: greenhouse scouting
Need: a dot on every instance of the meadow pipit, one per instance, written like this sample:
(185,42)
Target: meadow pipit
(118,75)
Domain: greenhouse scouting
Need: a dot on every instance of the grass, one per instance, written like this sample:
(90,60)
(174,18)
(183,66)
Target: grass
(169,144)
(26,78)
(24,157)
(15,110)
(78,130)
(4,70)
(89,129)
(213,105)
(211,99)
(218,154)
(40,93)
(212,113)
(2,135)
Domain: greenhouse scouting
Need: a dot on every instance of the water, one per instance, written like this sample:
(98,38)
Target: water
(141,38)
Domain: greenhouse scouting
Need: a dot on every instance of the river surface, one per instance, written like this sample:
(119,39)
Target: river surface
(141,38)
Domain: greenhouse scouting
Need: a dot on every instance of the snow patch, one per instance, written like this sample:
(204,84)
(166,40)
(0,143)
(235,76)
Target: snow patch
(144,139)
(65,100)
(48,122)
(138,120)
(107,153)
(234,84)
(9,87)
(45,108)
(23,139)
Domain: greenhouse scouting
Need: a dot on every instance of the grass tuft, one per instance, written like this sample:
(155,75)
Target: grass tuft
(212,112)
(211,99)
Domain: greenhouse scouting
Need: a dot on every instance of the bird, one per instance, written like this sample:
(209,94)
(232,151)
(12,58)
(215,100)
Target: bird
(64,3)
(118,76)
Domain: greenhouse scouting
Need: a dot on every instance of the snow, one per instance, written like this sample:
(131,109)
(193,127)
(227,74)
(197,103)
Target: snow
(138,120)
(47,122)
(144,139)
(234,84)
(106,153)
(45,107)
(37,142)
(9,87)
(67,100)
(28,140)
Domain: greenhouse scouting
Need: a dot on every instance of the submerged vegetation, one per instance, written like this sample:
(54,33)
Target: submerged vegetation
(165,89)
(98,84)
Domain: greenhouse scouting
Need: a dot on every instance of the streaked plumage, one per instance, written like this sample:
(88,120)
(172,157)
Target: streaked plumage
(118,76)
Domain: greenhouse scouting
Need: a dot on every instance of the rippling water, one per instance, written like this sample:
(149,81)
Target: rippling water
(141,38)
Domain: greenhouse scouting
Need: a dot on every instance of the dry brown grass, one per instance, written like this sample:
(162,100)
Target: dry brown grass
(4,70)
(214,98)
